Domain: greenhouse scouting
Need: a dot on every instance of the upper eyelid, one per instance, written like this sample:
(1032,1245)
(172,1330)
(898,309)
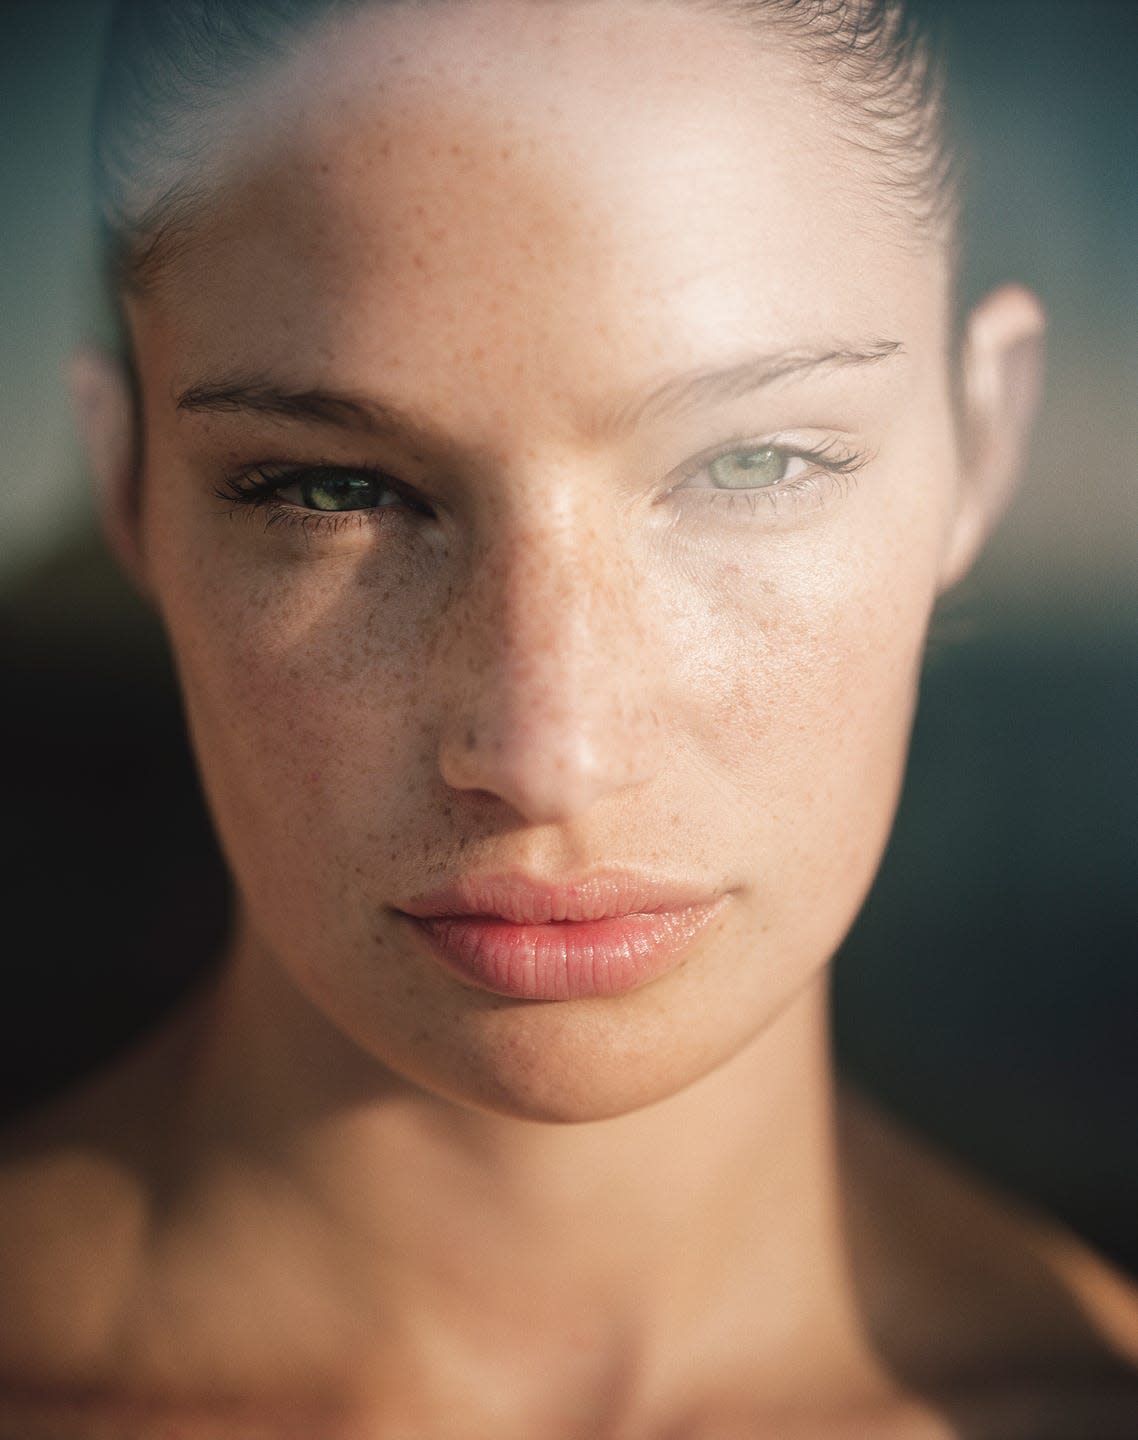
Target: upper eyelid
(250,481)
(847,454)
(371,472)
(287,471)
(241,484)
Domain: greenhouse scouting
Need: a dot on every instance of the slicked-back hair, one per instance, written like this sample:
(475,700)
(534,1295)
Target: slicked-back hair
(170,63)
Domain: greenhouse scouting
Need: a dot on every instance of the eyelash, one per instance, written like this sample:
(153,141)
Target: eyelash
(257,487)
(831,469)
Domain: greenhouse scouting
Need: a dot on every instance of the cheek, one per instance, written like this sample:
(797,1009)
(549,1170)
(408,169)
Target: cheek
(304,700)
(812,678)
(784,671)
(820,680)
(784,665)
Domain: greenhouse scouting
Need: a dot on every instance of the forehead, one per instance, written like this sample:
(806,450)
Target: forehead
(507,183)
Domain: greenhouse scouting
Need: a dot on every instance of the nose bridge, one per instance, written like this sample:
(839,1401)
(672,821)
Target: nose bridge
(552,706)
(555,592)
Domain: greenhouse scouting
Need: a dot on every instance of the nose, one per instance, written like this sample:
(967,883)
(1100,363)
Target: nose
(553,677)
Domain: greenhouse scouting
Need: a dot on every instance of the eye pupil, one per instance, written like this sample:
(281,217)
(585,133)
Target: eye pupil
(747,469)
(339,490)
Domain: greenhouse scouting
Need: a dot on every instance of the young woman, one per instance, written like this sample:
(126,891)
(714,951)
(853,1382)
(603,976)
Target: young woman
(545,434)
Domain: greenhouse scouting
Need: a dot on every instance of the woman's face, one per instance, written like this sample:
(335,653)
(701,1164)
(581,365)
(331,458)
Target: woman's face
(637,373)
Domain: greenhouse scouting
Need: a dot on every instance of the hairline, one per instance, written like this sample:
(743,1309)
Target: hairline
(137,250)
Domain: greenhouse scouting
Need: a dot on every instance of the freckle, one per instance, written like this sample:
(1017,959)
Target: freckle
(470,740)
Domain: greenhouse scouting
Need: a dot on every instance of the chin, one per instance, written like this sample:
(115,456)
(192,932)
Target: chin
(572,1063)
(564,1100)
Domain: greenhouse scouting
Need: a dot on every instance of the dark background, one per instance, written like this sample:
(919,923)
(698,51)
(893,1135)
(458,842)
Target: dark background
(990,990)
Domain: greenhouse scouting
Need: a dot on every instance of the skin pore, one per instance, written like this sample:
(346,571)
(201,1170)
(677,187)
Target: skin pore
(585,649)
(546,283)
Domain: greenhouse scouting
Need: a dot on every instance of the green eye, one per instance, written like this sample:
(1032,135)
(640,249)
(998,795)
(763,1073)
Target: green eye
(748,469)
(340,490)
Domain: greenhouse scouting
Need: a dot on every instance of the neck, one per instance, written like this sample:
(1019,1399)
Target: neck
(646,1235)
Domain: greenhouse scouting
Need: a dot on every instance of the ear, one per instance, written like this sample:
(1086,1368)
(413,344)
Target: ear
(104,404)
(1000,382)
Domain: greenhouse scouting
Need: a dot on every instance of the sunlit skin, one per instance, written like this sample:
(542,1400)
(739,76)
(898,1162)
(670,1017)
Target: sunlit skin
(582,659)
(572,276)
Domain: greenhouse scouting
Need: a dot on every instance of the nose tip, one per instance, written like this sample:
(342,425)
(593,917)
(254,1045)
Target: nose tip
(550,762)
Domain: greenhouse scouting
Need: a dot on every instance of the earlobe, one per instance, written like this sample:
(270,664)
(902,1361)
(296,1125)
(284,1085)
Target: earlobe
(103,401)
(1001,381)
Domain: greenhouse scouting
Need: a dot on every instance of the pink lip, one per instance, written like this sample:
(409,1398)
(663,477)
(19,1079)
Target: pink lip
(602,936)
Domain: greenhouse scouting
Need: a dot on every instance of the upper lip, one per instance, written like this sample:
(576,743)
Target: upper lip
(520,900)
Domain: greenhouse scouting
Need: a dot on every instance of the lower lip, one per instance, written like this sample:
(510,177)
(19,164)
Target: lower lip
(568,960)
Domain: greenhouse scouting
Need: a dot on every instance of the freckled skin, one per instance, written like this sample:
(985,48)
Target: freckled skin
(568,655)
(318,1190)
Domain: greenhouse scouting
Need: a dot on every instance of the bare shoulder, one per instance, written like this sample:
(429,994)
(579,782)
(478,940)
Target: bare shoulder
(72,1221)
(78,1179)
(77,1218)
(125,1310)
(974,1299)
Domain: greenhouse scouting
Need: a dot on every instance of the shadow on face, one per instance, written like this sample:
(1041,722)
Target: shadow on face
(660,474)
(659,481)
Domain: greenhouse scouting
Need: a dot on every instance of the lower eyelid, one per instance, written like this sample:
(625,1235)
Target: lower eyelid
(810,490)
(281,515)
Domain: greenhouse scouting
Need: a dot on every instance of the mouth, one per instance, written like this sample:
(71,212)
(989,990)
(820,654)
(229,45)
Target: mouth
(602,936)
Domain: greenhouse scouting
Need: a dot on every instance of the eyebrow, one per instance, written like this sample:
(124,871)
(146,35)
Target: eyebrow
(345,410)
(757,372)
(261,396)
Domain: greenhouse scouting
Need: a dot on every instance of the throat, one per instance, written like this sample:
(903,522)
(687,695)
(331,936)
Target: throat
(394,1239)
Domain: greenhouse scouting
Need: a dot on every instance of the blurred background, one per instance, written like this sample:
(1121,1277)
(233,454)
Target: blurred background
(989,992)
